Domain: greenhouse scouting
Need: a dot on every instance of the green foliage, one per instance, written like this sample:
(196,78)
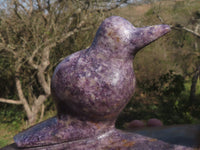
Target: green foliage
(7,85)
(165,99)
(11,114)
(150,12)
(169,84)
(7,132)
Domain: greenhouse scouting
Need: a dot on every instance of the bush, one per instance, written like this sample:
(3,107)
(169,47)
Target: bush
(163,99)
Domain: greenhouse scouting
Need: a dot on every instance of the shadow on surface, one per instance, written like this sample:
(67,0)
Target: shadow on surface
(186,135)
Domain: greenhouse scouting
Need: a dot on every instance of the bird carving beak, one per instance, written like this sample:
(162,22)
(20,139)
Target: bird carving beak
(144,36)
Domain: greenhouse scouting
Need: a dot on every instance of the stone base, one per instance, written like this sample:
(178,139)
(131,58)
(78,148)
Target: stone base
(111,140)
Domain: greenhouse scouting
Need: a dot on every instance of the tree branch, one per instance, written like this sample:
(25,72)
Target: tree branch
(10,101)
(104,9)
(31,7)
(42,112)
(195,32)
(39,103)
(191,31)
(39,4)
(17,3)
(22,98)
(187,29)
(7,48)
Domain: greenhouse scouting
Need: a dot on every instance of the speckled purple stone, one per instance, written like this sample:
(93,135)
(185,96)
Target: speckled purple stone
(90,89)
(111,140)
(96,83)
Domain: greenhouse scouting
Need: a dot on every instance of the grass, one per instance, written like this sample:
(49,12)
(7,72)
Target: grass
(7,133)
(9,129)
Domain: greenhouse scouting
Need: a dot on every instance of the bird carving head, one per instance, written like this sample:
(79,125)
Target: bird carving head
(118,36)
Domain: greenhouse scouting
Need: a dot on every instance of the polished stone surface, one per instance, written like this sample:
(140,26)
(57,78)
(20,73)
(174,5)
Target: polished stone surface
(112,140)
(90,89)
(96,83)
(186,135)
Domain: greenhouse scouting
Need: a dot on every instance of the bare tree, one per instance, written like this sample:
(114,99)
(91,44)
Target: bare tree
(192,27)
(29,31)
(196,73)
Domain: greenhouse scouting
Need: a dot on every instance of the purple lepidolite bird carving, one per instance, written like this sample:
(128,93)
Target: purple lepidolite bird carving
(92,86)
(96,83)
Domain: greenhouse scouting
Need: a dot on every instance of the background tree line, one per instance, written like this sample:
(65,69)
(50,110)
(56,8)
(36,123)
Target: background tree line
(167,71)
(35,35)
(33,39)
